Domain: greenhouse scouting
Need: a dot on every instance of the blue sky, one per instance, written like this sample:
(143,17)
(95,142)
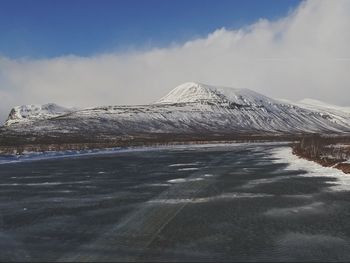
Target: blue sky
(50,28)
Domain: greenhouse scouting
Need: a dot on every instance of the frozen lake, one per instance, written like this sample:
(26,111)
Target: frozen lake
(244,202)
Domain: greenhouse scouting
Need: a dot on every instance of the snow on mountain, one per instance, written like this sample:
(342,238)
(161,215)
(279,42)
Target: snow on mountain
(337,114)
(27,113)
(320,105)
(192,92)
(191,108)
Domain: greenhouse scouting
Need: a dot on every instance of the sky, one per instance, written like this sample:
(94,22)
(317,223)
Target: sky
(86,53)
(50,28)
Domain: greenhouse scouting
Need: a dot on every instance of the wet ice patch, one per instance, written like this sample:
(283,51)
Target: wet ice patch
(159,184)
(32,184)
(299,196)
(307,247)
(310,209)
(253,183)
(244,195)
(44,183)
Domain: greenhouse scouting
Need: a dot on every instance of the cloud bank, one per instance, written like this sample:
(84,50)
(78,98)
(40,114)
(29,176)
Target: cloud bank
(305,54)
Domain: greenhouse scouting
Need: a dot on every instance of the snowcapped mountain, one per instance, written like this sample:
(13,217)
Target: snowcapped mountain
(191,108)
(25,113)
(192,92)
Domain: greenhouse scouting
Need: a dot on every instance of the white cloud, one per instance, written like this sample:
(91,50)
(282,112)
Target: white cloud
(305,54)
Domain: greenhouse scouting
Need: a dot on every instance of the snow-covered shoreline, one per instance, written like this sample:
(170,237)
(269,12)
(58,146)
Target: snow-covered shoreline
(285,155)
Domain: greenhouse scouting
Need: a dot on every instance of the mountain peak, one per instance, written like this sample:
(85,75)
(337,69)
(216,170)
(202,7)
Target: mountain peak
(190,92)
(34,112)
(194,92)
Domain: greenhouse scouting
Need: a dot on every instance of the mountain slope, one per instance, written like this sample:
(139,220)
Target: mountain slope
(313,104)
(337,114)
(191,108)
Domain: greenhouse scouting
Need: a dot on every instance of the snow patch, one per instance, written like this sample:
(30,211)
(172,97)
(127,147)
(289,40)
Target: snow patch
(188,169)
(183,164)
(184,180)
(209,199)
(285,155)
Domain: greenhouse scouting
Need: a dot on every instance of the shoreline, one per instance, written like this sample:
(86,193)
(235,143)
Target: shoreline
(49,155)
(312,169)
(321,156)
(78,146)
(12,154)
(342,166)
(17,144)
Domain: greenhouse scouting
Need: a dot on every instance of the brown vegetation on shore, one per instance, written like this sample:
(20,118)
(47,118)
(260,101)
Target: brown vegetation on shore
(20,144)
(327,151)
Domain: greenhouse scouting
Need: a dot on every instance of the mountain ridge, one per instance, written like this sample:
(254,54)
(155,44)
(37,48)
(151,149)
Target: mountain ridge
(190,108)
(33,112)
